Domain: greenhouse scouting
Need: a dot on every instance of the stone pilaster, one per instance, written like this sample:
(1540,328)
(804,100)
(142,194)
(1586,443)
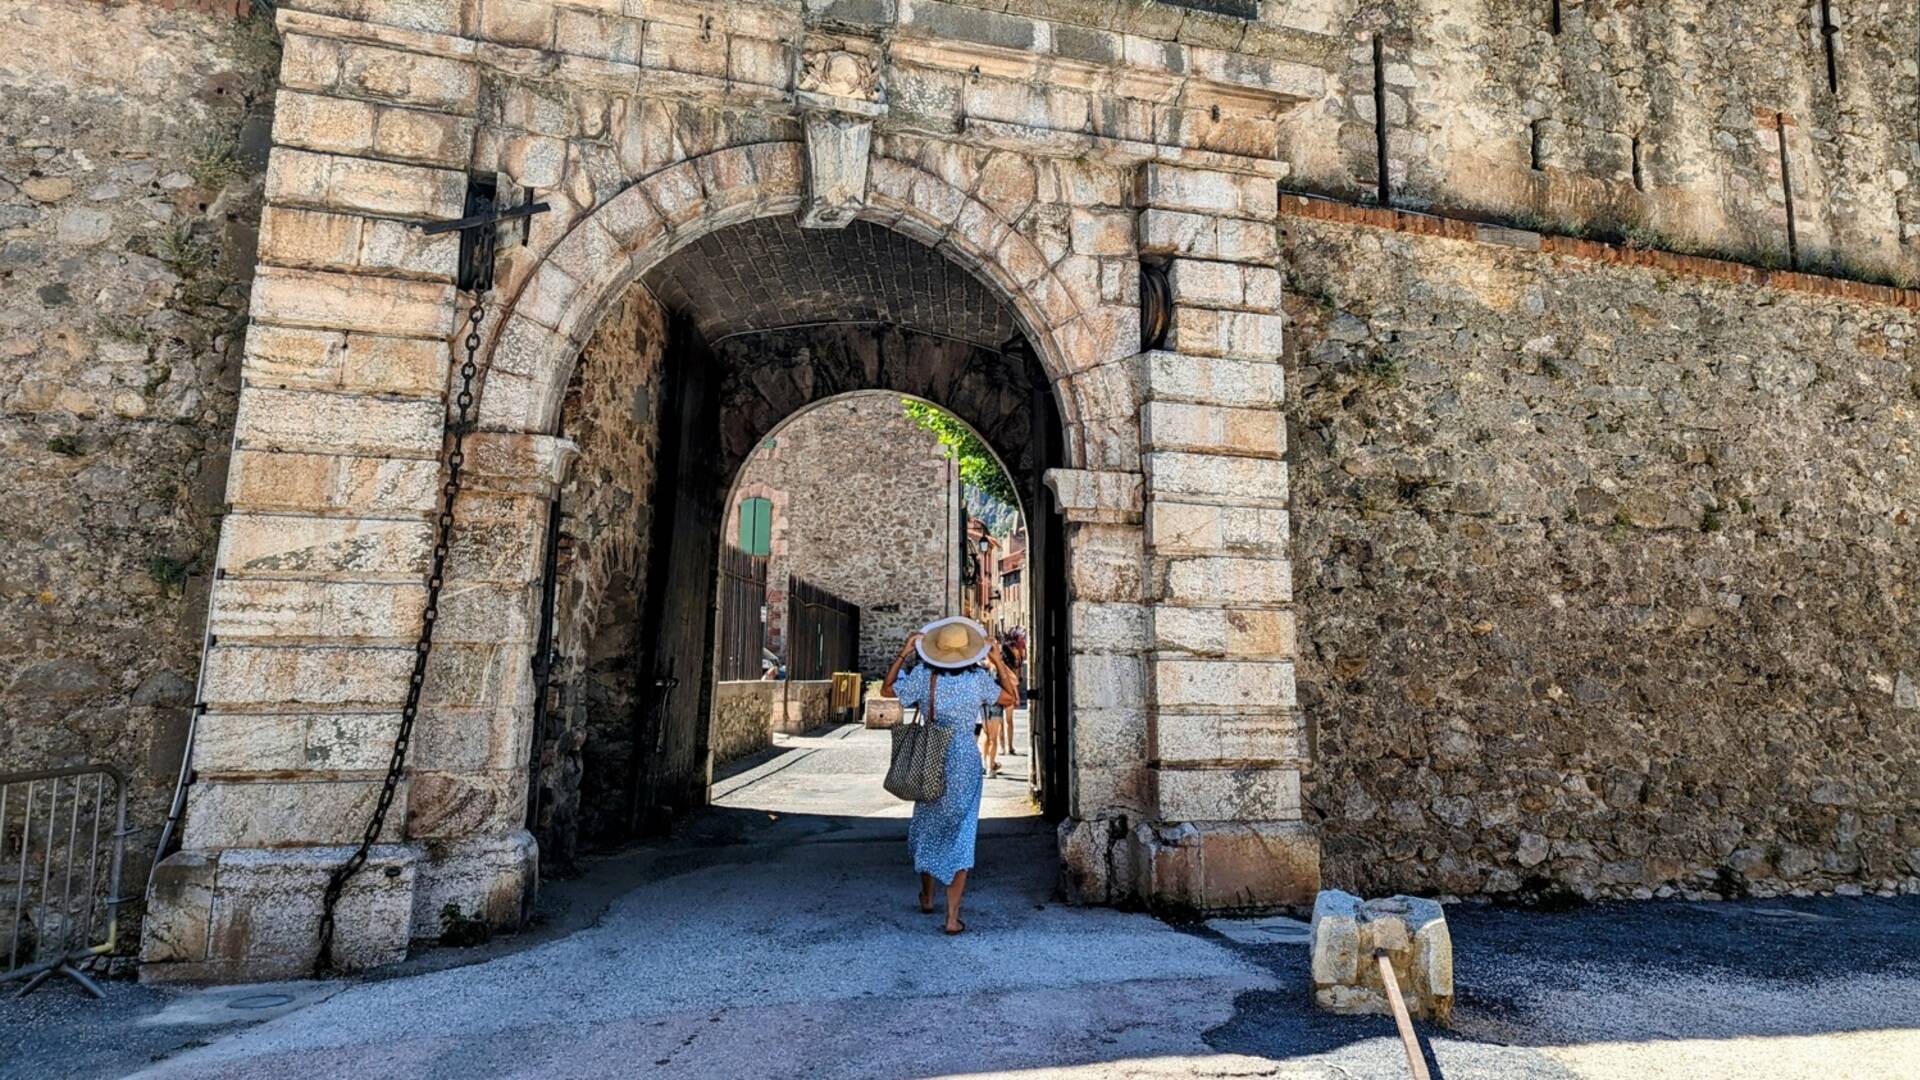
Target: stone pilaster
(320,591)
(1226,745)
(468,777)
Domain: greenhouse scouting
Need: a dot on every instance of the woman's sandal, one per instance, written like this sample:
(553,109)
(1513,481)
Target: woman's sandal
(950,932)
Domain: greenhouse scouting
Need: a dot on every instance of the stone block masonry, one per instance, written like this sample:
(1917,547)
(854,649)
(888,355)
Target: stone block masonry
(1604,574)
(1497,571)
(129,190)
(1657,124)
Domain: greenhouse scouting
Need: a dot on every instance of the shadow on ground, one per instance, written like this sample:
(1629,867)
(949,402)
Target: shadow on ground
(763,940)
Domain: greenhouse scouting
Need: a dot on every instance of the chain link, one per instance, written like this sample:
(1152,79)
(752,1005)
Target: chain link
(323,964)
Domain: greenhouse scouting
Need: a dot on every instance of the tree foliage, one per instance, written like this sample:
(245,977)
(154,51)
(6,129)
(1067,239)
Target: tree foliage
(979,469)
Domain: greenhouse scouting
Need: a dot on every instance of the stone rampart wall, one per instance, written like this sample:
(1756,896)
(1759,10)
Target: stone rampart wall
(129,202)
(1675,124)
(1606,574)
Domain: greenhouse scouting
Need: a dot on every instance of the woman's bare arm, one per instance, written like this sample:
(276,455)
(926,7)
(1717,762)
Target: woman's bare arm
(893,673)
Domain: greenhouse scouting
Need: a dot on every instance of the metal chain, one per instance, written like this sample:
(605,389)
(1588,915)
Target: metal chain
(323,964)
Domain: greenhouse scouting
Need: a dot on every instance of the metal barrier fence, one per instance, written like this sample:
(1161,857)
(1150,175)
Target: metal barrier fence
(65,891)
(743,614)
(823,631)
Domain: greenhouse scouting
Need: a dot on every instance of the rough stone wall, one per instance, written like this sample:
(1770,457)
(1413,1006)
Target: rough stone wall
(612,412)
(867,495)
(1606,575)
(742,718)
(129,200)
(1657,122)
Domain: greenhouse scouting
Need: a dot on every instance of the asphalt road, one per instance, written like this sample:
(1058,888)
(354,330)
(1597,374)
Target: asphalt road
(777,935)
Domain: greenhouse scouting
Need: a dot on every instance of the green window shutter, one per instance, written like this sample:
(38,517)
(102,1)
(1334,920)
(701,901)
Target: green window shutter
(756,526)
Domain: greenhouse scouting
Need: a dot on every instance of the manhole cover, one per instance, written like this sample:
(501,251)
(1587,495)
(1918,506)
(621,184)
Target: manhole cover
(260,1001)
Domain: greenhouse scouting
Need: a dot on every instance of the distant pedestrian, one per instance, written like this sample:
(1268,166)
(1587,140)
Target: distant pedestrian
(988,730)
(956,666)
(1013,656)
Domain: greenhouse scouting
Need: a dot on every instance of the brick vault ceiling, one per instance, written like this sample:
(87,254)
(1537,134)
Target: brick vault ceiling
(770,273)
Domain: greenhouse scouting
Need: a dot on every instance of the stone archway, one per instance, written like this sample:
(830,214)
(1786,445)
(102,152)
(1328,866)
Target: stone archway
(793,316)
(562,300)
(1188,747)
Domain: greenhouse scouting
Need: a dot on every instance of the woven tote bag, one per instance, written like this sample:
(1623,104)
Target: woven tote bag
(918,770)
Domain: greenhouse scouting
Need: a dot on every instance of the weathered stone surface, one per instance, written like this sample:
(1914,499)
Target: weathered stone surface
(1223,684)
(1105,496)
(743,714)
(457,805)
(881,713)
(1240,480)
(1169,425)
(1187,739)
(1208,528)
(1213,380)
(1224,631)
(1224,866)
(1348,932)
(283,547)
(1109,563)
(303,674)
(261,910)
(231,743)
(837,153)
(376,305)
(1495,432)
(492,879)
(316,609)
(1224,580)
(1562,535)
(1231,793)
(330,181)
(129,189)
(223,814)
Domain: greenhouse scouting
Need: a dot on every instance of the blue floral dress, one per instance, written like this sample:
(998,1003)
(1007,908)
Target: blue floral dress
(941,836)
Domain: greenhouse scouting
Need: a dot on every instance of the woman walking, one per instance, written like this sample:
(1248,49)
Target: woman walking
(956,677)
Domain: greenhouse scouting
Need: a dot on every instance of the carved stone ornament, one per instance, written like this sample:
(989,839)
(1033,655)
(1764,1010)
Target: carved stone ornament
(837,151)
(839,74)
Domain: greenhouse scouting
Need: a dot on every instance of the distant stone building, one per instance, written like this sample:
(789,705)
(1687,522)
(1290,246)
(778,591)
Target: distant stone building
(861,501)
(1470,448)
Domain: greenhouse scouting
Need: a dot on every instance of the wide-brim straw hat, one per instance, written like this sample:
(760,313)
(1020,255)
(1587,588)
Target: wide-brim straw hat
(956,642)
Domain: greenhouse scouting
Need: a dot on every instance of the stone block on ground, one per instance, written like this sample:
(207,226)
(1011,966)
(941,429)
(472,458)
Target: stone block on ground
(882,712)
(252,914)
(1346,933)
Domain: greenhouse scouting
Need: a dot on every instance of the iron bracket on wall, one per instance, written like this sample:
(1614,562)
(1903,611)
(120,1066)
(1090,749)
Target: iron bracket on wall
(482,210)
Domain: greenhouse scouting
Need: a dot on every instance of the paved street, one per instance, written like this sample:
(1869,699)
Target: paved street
(777,936)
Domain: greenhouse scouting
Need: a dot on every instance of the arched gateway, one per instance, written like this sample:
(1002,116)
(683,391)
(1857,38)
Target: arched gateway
(1046,166)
